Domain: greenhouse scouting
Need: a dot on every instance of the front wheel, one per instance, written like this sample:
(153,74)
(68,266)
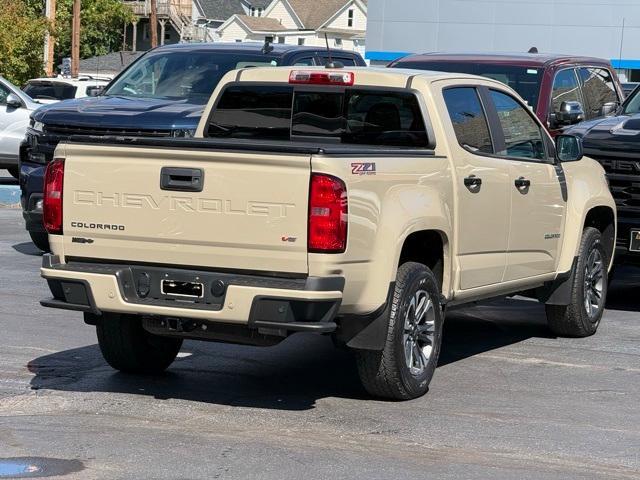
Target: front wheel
(404,368)
(128,347)
(582,316)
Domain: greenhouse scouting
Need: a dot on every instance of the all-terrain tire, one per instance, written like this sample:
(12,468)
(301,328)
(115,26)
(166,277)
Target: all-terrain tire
(387,373)
(40,240)
(573,320)
(127,347)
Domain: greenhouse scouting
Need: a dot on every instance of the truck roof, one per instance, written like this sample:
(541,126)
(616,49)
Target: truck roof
(521,59)
(249,47)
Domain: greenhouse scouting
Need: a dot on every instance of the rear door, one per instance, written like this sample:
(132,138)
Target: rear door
(484,202)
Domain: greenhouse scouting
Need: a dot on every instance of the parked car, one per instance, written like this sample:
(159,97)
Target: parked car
(615,143)
(351,202)
(162,94)
(55,89)
(562,90)
(15,108)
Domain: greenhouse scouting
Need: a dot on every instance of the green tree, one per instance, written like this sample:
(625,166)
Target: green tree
(101,24)
(22,30)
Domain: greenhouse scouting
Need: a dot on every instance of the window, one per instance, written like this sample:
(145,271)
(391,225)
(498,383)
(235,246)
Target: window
(565,89)
(350,17)
(48,90)
(306,61)
(300,41)
(280,39)
(522,135)
(259,12)
(253,11)
(468,118)
(352,116)
(4,93)
(598,89)
(338,42)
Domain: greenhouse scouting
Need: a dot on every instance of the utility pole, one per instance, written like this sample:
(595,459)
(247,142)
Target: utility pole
(75,39)
(153,23)
(49,40)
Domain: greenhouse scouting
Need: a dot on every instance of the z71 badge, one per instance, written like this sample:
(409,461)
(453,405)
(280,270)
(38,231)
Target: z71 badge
(365,168)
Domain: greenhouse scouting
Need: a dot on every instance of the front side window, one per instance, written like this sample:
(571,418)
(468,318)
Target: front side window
(522,135)
(598,89)
(4,93)
(565,89)
(182,74)
(350,116)
(468,118)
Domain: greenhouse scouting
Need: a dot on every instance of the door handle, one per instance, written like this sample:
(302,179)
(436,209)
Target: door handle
(522,183)
(472,181)
(181,179)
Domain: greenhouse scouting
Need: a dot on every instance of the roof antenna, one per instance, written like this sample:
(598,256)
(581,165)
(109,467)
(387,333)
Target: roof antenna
(331,63)
(267,47)
(533,50)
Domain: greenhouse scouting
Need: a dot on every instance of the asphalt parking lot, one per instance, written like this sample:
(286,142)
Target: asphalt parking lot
(508,399)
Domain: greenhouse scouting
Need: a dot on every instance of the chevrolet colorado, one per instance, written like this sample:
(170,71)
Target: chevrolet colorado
(352,202)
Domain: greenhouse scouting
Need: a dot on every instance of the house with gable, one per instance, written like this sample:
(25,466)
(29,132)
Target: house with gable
(300,22)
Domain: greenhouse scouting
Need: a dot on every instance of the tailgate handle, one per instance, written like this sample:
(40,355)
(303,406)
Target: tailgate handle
(181,179)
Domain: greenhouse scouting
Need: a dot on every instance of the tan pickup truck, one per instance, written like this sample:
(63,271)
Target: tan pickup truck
(354,202)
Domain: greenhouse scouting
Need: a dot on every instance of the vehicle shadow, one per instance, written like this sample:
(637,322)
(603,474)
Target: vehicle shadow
(302,369)
(27,248)
(290,376)
(8,181)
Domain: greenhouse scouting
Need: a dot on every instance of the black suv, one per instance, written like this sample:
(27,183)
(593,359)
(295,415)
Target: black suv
(615,143)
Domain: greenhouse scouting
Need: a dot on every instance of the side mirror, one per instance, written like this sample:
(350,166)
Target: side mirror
(570,113)
(95,90)
(568,148)
(609,108)
(14,101)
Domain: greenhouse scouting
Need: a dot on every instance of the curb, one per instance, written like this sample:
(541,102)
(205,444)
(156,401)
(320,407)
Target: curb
(9,196)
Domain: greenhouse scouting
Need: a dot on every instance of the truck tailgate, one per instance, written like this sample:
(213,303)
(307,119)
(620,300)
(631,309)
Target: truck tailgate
(251,212)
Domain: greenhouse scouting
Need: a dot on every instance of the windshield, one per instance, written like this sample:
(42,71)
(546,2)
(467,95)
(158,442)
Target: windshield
(524,80)
(632,103)
(178,75)
(49,90)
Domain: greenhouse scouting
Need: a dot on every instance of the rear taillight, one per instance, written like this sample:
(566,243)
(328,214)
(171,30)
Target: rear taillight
(319,77)
(52,203)
(327,214)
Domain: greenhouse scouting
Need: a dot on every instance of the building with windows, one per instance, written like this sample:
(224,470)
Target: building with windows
(301,22)
(605,28)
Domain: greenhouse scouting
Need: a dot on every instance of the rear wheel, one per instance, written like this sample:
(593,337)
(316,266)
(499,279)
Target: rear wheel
(40,240)
(14,172)
(582,316)
(128,347)
(404,368)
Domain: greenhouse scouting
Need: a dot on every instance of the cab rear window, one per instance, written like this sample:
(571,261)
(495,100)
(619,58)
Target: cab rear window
(351,115)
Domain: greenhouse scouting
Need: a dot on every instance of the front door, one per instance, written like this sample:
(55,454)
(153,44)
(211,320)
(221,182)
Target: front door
(484,193)
(537,200)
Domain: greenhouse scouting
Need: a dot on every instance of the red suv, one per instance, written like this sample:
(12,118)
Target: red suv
(562,90)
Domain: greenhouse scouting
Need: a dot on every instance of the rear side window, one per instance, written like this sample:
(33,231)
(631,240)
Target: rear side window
(468,118)
(352,116)
(50,90)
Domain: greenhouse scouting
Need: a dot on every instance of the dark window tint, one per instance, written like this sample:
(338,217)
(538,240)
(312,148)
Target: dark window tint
(351,116)
(598,89)
(318,114)
(50,90)
(522,135)
(524,80)
(253,112)
(304,61)
(565,89)
(468,118)
(384,118)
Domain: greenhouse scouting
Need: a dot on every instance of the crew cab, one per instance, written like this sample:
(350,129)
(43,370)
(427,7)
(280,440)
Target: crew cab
(562,89)
(615,143)
(357,203)
(161,94)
